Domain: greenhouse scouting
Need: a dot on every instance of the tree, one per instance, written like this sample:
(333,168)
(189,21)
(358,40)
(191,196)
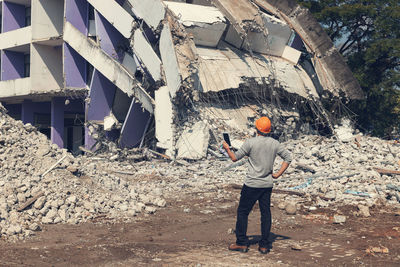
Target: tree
(367,33)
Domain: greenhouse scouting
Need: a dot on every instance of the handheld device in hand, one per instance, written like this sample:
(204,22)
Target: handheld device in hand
(227,139)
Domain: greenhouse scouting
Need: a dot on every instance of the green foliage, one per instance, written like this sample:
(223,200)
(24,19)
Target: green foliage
(367,34)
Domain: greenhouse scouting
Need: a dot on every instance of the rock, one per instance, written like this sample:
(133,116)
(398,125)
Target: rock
(72,169)
(380,249)
(14,229)
(123,207)
(150,210)
(160,202)
(295,246)
(281,205)
(291,208)
(72,199)
(337,219)
(231,231)
(34,227)
(193,142)
(62,213)
(364,211)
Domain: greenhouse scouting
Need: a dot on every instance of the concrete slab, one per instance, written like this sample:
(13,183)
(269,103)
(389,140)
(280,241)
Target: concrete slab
(193,142)
(273,44)
(232,68)
(170,62)
(115,14)
(205,23)
(146,54)
(151,11)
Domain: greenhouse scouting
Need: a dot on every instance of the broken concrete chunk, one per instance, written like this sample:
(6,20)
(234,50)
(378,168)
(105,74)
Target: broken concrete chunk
(339,219)
(291,208)
(193,142)
(364,211)
(109,122)
(151,11)
(205,23)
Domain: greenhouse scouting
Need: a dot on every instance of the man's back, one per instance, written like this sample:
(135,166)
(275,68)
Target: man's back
(262,152)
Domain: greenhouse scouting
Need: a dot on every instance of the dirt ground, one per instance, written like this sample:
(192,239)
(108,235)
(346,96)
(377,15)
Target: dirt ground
(195,230)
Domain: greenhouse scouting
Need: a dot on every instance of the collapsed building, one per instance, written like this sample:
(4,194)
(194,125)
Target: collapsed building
(167,74)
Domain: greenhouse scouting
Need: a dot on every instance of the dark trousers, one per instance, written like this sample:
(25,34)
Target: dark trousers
(248,198)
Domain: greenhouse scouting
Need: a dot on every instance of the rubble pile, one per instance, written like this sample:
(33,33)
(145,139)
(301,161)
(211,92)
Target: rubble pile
(42,184)
(360,171)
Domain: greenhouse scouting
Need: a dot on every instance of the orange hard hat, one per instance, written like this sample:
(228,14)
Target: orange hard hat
(263,125)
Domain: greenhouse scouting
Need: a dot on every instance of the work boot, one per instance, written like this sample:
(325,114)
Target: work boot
(263,250)
(236,247)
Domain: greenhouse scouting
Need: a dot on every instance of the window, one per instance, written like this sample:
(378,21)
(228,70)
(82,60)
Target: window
(27,16)
(91,12)
(27,65)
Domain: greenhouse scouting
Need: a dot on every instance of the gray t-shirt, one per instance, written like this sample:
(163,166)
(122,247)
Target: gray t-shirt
(262,152)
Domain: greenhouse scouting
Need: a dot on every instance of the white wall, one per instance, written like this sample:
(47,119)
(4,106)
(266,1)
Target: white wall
(46,68)
(47,18)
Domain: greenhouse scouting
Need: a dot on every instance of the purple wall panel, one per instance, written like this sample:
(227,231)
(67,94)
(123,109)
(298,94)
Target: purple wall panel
(134,126)
(77,13)
(13,16)
(57,121)
(110,38)
(120,2)
(74,68)
(27,112)
(75,106)
(13,109)
(12,65)
(101,96)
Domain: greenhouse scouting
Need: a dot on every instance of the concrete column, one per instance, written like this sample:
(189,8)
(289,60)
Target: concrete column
(27,112)
(57,121)
(13,16)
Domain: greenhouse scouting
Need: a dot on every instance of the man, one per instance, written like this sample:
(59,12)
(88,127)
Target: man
(261,151)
